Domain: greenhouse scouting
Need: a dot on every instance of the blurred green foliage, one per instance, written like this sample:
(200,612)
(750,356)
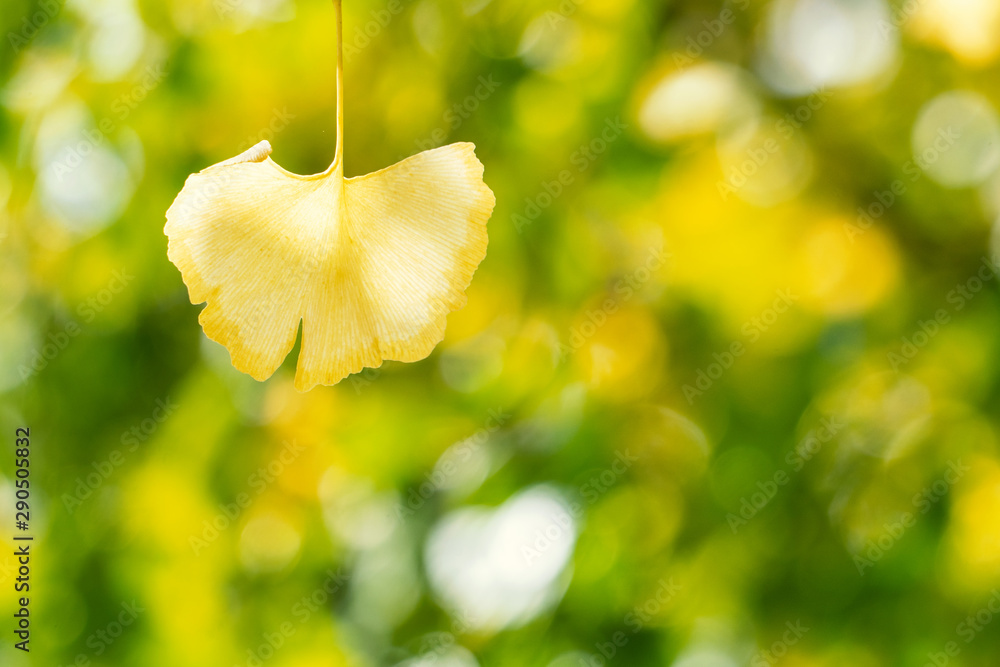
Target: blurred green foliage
(724,393)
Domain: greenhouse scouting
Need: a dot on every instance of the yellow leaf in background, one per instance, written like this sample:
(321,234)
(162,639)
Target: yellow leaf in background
(371,265)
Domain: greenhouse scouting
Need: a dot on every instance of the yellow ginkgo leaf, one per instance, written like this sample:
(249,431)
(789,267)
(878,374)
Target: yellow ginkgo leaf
(371,266)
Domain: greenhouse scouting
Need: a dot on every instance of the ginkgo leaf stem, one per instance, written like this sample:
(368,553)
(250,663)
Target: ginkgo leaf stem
(339,155)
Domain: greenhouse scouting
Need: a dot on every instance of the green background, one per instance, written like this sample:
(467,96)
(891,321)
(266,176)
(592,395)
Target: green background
(693,401)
